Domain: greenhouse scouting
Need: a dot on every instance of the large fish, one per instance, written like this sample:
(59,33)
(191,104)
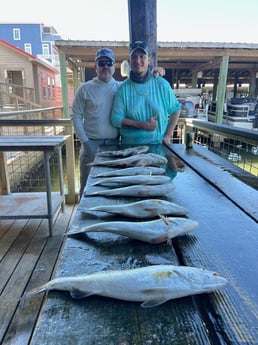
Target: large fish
(125,152)
(133,171)
(119,181)
(136,191)
(141,160)
(148,208)
(153,231)
(151,285)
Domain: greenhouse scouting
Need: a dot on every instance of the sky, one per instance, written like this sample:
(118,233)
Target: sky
(107,20)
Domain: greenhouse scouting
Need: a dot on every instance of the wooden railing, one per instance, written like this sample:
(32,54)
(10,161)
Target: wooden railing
(16,97)
(48,121)
(238,145)
(38,126)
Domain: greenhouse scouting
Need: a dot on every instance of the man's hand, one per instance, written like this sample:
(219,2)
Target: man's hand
(166,140)
(151,124)
(90,147)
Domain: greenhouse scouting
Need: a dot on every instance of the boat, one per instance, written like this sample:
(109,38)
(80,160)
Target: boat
(238,112)
(254,150)
(234,157)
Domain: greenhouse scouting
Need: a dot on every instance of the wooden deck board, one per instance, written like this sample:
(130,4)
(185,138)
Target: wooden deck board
(228,232)
(27,258)
(223,175)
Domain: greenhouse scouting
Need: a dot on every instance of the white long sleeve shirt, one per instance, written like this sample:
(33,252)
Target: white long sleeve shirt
(91,110)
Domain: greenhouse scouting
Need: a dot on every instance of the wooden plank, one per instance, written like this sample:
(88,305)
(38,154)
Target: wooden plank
(27,205)
(35,265)
(31,143)
(223,175)
(99,320)
(4,182)
(4,228)
(26,314)
(12,285)
(227,242)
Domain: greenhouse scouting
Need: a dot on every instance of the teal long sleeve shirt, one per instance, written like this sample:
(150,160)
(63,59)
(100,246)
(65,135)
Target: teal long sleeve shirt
(140,101)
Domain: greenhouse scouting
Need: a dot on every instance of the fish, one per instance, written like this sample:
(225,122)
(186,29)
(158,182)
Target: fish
(153,231)
(150,285)
(136,191)
(141,160)
(118,181)
(147,208)
(125,152)
(149,170)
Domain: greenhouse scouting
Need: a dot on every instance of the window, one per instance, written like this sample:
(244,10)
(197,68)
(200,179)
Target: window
(53,88)
(48,87)
(45,49)
(16,34)
(43,85)
(9,77)
(27,48)
(46,29)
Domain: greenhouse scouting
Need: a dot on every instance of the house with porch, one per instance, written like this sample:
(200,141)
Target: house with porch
(26,81)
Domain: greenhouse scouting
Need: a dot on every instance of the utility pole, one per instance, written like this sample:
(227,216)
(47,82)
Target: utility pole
(143,24)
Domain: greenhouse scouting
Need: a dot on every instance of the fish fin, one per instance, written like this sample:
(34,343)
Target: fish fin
(159,239)
(153,302)
(78,294)
(165,220)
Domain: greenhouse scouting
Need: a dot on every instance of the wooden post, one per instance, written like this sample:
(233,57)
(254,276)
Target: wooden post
(252,83)
(143,24)
(4,181)
(222,87)
(64,85)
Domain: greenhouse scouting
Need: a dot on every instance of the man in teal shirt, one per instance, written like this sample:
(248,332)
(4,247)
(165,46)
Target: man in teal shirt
(145,108)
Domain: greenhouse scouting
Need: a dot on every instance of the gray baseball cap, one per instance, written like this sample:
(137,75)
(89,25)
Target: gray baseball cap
(105,52)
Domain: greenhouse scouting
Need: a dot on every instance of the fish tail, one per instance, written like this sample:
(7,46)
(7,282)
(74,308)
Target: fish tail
(35,291)
(169,241)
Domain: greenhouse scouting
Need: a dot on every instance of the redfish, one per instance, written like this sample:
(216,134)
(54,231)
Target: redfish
(151,285)
(153,231)
(133,171)
(136,191)
(119,181)
(125,152)
(147,208)
(141,160)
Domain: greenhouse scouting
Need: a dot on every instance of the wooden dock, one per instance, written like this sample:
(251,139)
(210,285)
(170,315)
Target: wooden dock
(225,242)
(27,255)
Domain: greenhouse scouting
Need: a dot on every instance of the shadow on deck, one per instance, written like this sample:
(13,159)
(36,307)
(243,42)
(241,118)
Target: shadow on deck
(27,258)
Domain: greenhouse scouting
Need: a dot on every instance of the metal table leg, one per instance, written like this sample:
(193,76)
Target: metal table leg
(48,191)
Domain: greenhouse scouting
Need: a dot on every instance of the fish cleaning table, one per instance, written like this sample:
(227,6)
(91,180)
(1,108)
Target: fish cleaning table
(225,241)
(41,204)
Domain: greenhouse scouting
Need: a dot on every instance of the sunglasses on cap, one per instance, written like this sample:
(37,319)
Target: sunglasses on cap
(102,63)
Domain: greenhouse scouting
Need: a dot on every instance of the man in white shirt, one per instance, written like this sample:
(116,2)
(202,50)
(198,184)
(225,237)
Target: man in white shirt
(91,110)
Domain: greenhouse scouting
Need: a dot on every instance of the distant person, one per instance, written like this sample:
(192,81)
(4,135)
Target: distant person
(159,72)
(91,111)
(145,108)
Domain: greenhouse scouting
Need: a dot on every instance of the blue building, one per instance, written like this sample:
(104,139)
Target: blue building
(35,39)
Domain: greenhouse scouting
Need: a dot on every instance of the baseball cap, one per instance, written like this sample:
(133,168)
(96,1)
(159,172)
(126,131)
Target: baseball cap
(139,45)
(105,52)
